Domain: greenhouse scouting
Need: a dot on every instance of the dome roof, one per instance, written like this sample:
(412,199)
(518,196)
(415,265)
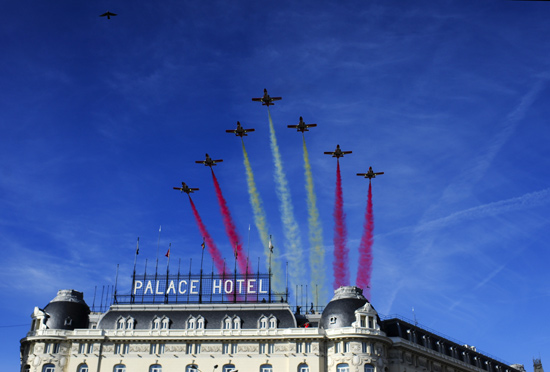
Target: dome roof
(67,311)
(340,311)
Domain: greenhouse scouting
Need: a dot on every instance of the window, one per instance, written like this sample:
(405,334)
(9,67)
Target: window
(225,348)
(303,368)
(130,323)
(155,368)
(308,347)
(197,348)
(266,368)
(90,348)
(82,348)
(192,368)
(263,322)
(191,323)
(263,348)
(156,349)
(200,322)
(117,349)
(236,323)
(47,348)
(233,348)
(371,322)
(68,321)
(119,368)
(332,320)
(270,348)
(272,322)
(48,368)
(55,348)
(228,368)
(165,323)
(227,323)
(369,368)
(363,324)
(346,347)
(364,347)
(83,368)
(299,348)
(337,347)
(189,349)
(343,367)
(156,323)
(120,323)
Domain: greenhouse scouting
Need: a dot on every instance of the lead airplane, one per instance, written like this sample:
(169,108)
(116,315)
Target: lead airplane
(208,162)
(108,15)
(240,131)
(370,174)
(266,100)
(337,153)
(301,126)
(186,189)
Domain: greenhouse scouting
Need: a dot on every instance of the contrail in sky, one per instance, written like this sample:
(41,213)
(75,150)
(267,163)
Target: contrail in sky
(230,228)
(260,220)
(212,248)
(341,273)
(316,252)
(290,226)
(365,249)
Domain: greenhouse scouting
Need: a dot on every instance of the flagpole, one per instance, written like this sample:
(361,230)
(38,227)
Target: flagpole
(200,278)
(167,273)
(157,265)
(116,283)
(133,296)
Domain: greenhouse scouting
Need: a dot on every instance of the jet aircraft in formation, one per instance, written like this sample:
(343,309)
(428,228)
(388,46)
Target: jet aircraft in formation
(337,153)
(208,162)
(240,131)
(370,174)
(301,126)
(108,15)
(186,189)
(266,100)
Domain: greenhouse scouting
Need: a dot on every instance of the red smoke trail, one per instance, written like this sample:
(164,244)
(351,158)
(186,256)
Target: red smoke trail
(341,274)
(230,229)
(365,249)
(212,248)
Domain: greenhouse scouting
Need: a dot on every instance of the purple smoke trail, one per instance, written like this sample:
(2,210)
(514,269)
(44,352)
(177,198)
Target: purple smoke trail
(341,274)
(365,249)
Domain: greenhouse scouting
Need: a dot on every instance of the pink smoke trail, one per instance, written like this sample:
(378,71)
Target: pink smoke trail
(365,249)
(212,248)
(230,229)
(341,274)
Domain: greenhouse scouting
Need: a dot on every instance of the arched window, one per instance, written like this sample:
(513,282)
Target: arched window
(342,367)
(263,322)
(228,368)
(303,368)
(156,323)
(83,368)
(155,368)
(236,323)
(272,322)
(266,368)
(200,322)
(120,323)
(227,323)
(191,323)
(165,323)
(119,368)
(48,368)
(369,368)
(192,368)
(130,323)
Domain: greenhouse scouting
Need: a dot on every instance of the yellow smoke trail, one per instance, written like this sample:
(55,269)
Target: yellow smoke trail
(316,250)
(293,240)
(260,220)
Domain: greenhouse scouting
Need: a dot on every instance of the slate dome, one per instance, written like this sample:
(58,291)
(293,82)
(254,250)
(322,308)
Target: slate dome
(340,311)
(67,311)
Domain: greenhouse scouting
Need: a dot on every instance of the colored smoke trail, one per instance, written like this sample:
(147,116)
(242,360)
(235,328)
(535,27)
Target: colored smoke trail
(293,241)
(365,249)
(260,220)
(212,248)
(230,228)
(341,274)
(316,252)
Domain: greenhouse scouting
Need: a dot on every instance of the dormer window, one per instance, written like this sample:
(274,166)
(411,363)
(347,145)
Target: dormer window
(263,322)
(332,320)
(272,322)
(236,323)
(120,323)
(68,321)
(200,322)
(191,323)
(227,323)
(130,323)
(156,323)
(165,323)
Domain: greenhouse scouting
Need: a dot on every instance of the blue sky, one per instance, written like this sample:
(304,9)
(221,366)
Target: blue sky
(101,118)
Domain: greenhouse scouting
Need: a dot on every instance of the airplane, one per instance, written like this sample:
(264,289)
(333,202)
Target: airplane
(266,100)
(108,15)
(370,174)
(337,153)
(301,126)
(185,188)
(208,162)
(240,131)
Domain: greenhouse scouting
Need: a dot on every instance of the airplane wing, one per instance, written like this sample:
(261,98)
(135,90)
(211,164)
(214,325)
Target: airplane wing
(329,152)
(292,126)
(276,98)
(257,99)
(249,130)
(362,174)
(311,125)
(217,161)
(200,161)
(346,152)
(231,131)
(178,188)
(379,173)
